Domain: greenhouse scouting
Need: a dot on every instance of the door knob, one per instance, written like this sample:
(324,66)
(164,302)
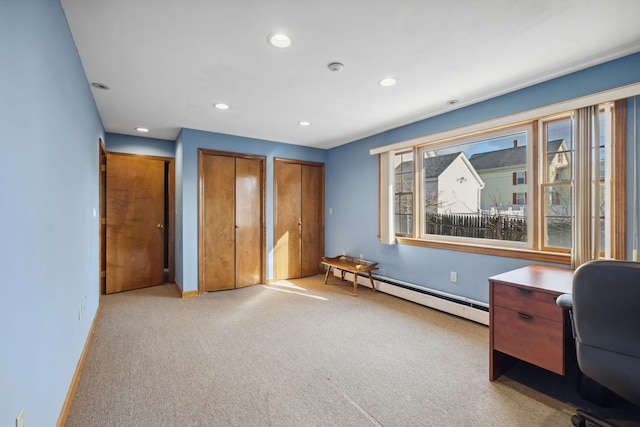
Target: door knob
(160,225)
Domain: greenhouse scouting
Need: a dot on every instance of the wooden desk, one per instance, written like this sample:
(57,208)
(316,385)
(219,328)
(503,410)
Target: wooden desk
(351,264)
(524,321)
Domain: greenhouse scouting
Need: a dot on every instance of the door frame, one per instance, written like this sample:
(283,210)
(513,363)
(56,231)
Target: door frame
(263,234)
(170,204)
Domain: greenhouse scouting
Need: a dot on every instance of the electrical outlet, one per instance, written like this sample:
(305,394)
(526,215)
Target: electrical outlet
(454,277)
(20,418)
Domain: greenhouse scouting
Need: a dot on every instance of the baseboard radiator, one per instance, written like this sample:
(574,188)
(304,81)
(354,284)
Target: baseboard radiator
(459,306)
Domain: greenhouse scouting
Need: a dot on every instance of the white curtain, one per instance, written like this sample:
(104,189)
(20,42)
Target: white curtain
(586,190)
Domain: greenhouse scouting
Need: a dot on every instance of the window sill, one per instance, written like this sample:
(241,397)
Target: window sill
(553,257)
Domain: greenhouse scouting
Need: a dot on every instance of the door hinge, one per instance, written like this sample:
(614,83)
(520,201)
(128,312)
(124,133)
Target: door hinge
(103,274)
(104,221)
(103,168)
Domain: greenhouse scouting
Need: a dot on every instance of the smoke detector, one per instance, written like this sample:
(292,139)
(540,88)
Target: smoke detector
(335,67)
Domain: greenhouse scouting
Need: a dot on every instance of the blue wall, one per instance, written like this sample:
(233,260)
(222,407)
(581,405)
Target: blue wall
(189,142)
(48,210)
(353,226)
(117,142)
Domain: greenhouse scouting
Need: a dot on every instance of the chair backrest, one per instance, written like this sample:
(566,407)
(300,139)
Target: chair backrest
(606,314)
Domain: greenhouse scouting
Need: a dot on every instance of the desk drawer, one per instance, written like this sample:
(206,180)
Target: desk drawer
(530,338)
(525,300)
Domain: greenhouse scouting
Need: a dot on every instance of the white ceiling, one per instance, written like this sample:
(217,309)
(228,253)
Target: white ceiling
(167,62)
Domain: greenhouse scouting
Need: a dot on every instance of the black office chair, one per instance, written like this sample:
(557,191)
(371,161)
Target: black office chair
(605,315)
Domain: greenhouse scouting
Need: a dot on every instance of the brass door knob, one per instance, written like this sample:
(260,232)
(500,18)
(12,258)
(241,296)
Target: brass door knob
(160,225)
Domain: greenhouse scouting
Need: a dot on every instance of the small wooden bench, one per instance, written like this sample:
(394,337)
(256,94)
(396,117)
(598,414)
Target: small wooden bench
(351,264)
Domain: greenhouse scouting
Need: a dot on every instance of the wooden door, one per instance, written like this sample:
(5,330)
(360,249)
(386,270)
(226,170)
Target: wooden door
(217,201)
(299,218)
(288,206)
(135,205)
(312,213)
(248,221)
(231,221)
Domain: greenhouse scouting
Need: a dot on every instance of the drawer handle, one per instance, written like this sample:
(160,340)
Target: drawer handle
(524,291)
(525,316)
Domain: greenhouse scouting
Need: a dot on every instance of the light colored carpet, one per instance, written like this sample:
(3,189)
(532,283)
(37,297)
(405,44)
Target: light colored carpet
(300,353)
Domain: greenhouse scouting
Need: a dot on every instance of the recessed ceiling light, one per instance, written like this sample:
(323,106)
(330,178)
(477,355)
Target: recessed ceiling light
(143,130)
(304,123)
(279,40)
(452,102)
(386,82)
(221,106)
(100,86)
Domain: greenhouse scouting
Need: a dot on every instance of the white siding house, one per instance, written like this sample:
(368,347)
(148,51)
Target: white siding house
(452,185)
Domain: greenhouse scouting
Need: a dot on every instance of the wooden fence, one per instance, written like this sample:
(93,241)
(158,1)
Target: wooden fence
(498,227)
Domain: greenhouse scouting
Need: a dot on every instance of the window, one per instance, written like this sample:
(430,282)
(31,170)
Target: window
(519,177)
(468,187)
(519,198)
(510,190)
(557,180)
(403,193)
(556,183)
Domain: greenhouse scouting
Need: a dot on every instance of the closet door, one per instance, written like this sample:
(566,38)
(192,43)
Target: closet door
(287,220)
(248,222)
(312,213)
(231,221)
(299,218)
(217,222)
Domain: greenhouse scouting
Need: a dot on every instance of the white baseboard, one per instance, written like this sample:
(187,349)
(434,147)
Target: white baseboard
(428,298)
